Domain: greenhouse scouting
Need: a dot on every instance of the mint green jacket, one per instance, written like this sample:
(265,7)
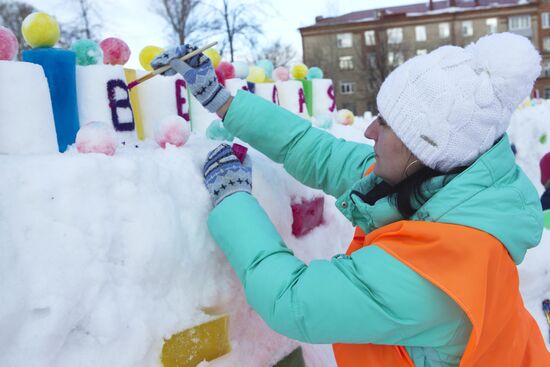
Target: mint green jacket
(368,297)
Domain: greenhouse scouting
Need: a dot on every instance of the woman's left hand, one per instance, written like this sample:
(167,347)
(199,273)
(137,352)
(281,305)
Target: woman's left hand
(225,175)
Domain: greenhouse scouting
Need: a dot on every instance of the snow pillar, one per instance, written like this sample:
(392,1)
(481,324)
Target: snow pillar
(26,116)
(60,69)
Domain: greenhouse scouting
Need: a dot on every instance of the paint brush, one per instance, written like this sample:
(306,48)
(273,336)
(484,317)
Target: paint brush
(167,67)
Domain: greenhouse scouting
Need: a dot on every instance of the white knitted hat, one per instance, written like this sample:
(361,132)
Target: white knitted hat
(450,106)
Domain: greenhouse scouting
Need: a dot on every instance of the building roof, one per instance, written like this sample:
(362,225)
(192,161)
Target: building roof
(414,10)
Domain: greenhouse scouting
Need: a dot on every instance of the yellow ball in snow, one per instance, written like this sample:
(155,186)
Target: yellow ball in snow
(40,30)
(213,55)
(346,117)
(256,74)
(147,55)
(299,71)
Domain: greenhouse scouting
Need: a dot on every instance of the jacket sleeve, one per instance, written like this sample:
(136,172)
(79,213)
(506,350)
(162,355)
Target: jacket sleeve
(312,156)
(368,297)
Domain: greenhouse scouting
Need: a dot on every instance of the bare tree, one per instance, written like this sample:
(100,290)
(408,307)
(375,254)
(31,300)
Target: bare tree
(379,60)
(177,13)
(237,22)
(12,14)
(87,12)
(278,53)
(85,24)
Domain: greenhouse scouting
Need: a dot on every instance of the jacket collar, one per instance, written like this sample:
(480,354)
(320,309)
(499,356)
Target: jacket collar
(492,195)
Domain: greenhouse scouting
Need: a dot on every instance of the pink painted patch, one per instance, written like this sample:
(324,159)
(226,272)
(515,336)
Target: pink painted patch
(173,130)
(307,215)
(97,137)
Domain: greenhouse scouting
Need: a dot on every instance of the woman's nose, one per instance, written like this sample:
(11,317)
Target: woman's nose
(372,130)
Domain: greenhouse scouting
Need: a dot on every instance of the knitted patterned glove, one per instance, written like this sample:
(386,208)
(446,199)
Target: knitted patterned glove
(225,175)
(199,74)
(172,53)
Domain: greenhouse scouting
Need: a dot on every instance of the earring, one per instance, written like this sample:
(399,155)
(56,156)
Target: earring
(409,166)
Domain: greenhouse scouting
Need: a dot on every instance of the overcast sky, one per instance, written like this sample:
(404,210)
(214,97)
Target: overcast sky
(136,23)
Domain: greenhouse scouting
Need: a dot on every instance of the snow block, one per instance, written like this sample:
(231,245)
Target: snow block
(161,97)
(267,91)
(323,99)
(60,70)
(204,342)
(103,95)
(26,117)
(292,97)
(307,215)
(294,359)
(235,84)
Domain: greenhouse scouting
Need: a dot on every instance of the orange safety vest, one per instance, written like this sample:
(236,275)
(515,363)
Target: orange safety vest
(475,270)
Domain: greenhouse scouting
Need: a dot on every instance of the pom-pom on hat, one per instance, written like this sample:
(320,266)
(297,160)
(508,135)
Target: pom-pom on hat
(450,106)
(545,169)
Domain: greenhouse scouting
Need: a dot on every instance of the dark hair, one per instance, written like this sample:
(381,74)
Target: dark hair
(410,190)
(407,192)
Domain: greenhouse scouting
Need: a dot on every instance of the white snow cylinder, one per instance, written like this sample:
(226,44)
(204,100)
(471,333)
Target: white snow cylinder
(235,84)
(291,97)
(160,97)
(267,91)
(26,117)
(323,97)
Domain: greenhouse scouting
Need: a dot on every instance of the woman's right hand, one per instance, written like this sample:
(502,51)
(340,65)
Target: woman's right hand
(199,74)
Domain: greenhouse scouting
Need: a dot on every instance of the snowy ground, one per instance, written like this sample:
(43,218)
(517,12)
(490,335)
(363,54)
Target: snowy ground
(103,257)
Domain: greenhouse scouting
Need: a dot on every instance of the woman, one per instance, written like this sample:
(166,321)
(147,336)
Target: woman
(443,213)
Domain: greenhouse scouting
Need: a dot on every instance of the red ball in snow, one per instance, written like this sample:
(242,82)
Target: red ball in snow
(115,51)
(8,44)
(220,76)
(227,69)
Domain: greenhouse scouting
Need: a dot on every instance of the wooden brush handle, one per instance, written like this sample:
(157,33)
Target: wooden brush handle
(168,67)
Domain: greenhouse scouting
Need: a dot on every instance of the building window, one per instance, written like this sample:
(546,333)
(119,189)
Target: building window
(545,20)
(444,30)
(395,58)
(467,28)
(422,52)
(492,25)
(346,63)
(546,93)
(519,22)
(347,87)
(370,40)
(546,44)
(344,40)
(546,69)
(395,35)
(420,33)
(372,60)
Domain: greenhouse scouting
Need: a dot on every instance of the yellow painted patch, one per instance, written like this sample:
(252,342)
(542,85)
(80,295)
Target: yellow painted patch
(204,342)
(134,101)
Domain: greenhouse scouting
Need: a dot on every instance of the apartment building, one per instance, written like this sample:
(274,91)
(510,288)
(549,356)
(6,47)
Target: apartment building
(359,49)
